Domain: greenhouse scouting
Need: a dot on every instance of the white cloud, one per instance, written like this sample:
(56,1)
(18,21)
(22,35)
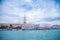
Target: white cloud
(27,0)
(39,12)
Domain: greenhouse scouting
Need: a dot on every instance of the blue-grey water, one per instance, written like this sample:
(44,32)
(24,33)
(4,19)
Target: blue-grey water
(30,35)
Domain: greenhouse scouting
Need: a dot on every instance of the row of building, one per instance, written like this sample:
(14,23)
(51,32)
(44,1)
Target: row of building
(28,26)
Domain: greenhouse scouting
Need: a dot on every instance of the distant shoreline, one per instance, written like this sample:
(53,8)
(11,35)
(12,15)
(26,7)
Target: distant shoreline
(26,29)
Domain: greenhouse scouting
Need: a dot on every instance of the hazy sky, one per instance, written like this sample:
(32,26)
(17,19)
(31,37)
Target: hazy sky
(36,11)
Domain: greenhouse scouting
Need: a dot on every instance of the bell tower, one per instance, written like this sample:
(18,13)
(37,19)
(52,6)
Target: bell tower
(24,20)
(25,25)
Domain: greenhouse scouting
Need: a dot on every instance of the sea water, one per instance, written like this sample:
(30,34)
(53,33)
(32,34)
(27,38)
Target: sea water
(30,35)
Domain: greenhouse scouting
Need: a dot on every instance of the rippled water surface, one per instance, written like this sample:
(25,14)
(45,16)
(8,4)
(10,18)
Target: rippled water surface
(30,35)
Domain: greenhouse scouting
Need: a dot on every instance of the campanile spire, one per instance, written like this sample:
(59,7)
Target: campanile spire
(24,20)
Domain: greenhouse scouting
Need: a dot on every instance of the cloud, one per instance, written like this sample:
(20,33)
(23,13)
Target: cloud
(36,11)
(52,19)
(26,6)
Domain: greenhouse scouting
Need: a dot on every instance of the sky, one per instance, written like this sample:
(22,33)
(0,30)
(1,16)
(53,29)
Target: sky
(36,11)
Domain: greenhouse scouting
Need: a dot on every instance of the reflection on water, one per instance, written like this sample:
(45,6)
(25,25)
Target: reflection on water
(30,35)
